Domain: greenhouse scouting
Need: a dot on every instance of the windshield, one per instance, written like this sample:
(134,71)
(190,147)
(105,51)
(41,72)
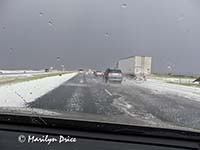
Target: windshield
(50,52)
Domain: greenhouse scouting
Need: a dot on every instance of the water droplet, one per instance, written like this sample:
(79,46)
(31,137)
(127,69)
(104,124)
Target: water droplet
(187,30)
(11,49)
(41,14)
(181,17)
(58,58)
(3,27)
(50,23)
(124,5)
(107,34)
(30,93)
(169,67)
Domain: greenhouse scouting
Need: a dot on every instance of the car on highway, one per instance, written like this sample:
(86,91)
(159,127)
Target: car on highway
(98,73)
(81,71)
(113,75)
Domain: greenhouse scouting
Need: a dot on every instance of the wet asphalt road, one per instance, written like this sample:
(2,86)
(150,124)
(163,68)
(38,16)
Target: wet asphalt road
(121,103)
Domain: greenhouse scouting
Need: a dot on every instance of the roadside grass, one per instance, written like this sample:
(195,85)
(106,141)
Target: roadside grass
(173,76)
(17,79)
(186,84)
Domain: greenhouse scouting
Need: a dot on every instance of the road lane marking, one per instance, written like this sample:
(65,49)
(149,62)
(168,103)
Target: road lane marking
(109,93)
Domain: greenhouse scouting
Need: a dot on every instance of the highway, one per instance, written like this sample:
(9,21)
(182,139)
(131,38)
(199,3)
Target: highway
(89,97)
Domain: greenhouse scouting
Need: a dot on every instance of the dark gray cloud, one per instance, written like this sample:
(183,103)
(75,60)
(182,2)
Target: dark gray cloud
(96,33)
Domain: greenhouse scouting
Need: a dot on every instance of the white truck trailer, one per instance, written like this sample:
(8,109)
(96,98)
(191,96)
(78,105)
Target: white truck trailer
(135,65)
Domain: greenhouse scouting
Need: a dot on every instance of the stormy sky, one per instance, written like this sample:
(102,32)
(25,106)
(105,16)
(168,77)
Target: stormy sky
(96,33)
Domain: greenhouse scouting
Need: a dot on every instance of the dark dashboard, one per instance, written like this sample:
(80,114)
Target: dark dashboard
(25,132)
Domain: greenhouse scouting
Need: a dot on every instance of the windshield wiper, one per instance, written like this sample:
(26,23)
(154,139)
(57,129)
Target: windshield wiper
(33,112)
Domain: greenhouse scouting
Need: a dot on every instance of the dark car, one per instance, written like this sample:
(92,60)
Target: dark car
(113,75)
(81,70)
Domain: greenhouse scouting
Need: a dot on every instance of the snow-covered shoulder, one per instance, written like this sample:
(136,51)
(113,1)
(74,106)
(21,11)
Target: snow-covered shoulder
(161,87)
(17,95)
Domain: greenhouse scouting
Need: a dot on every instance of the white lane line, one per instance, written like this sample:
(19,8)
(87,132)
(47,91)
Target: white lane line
(109,93)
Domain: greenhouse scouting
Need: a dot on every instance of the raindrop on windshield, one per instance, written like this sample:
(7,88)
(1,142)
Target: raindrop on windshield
(11,49)
(50,23)
(3,27)
(124,5)
(187,30)
(41,14)
(58,58)
(107,35)
(181,17)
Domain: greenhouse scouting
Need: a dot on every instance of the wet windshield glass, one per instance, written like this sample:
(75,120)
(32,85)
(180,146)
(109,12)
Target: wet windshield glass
(54,56)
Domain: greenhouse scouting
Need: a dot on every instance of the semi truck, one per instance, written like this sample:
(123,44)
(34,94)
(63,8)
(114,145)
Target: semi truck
(135,65)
